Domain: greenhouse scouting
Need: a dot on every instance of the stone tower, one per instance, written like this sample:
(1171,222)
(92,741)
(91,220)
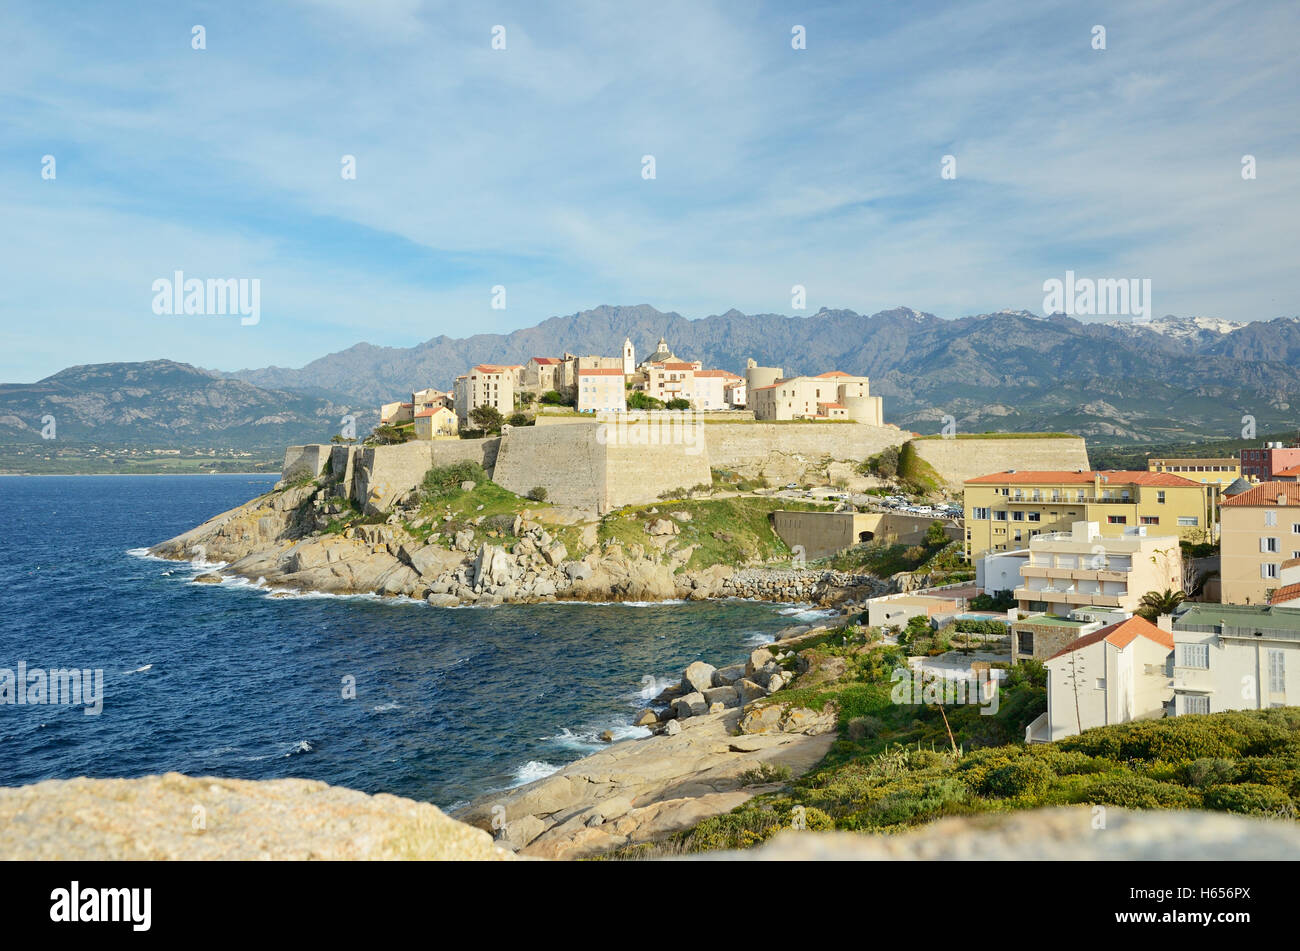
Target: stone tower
(629,357)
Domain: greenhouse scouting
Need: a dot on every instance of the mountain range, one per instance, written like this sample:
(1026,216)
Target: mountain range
(1116,382)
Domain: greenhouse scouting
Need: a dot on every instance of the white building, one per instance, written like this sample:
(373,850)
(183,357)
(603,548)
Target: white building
(1000,571)
(485,385)
(1114,675)
(601,391)
(1235,657)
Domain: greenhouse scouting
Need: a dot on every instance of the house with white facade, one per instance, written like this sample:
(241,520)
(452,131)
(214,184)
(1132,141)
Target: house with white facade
(1113,675)
(1235,657)
(602,391)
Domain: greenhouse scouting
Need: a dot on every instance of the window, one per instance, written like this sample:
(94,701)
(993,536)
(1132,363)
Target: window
(1035,516)
(999,516)
(1025,642)
(1295,528)
(1160,496)
(980,513)
(1150,520)
(1117,519)
(1018,516)
(1276,671)
(1193,704)
(1268,570)
(1268,545)
(1101,683)
(1188,520)
(1194,655)
(1017,538)
(1270,517)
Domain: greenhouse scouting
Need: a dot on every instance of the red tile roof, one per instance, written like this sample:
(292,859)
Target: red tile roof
(1293,471)
(713,374)
(489,368)
(677,366)
(822,376)
(1288,592)
(601,372)
(832,405)
(1267,493)
(1120,635)
(1109,477)
(546,361)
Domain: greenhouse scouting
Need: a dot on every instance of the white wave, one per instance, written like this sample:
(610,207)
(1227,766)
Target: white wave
(138,670)
(302,746)
(532,771)
(649,604)
(386,707)
(588,741)
(807,614)
(757,638)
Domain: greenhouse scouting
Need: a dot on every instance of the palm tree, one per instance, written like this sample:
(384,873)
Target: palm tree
(1156,603)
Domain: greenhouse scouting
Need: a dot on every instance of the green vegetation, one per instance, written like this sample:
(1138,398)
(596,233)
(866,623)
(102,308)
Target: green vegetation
(999,601)
(679,403)
(1155,603)
(882,557)
(893,766)
(640,400)
(487,418)
(537,493)
(441,482)
(556,398)
(989,434)
(904,466)
(387,435)
(733,531)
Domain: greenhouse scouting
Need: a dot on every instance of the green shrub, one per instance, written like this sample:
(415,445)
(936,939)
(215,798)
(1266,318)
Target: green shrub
(1251,799)
(537,493)
(1020,777)
(865,728)
(444,481)
(1141,792)
(1209,771)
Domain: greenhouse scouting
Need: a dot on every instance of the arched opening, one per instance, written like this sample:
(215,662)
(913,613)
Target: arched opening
(866,536)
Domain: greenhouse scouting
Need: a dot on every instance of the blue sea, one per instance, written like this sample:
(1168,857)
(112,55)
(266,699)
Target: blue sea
(230,680)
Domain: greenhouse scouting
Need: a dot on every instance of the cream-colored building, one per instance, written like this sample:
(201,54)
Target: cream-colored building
(757,376)
(542,375)
(397,413)
(1005,510)
(1235,657)
(1259,530)
(602,391)
(430,398)
(733,391)
(1082,568)
(436,423)
(571,365)
(833,395)
(485,385)
(1114,675)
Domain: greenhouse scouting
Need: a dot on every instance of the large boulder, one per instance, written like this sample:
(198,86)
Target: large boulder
(727,696)
(698,677)
(662,526)
(729,676)
(757,660)
(493,566)
(691,705)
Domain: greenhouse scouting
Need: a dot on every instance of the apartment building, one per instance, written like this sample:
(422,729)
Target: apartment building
(733,392)
(397,413)
(1005,510)
(1260,465)
(1259,530)
(602,391)
(832,395)
(710,389)
(430,398)
(1117,674)
(670,381)
(1082,568)
(485,385)
(1234,657)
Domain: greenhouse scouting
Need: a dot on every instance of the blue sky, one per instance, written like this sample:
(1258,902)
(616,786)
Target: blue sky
(522,167)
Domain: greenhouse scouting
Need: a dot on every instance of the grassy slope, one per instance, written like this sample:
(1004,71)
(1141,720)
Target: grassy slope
(893,767)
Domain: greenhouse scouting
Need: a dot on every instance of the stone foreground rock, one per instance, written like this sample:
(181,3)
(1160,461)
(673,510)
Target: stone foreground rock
(183,817)
(1063,834)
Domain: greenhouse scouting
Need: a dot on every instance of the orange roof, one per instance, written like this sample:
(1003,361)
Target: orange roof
(545,361)
(605,372)
(677,366)
(832,405)
(822,376)
(1267,493)
(770,386)
(1293,471)
(1120,635)
(713,374)
(1111,477)
(489,368)
(1288,592)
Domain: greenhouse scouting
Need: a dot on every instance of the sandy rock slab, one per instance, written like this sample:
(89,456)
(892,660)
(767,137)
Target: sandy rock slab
(1062,834)
(182,817)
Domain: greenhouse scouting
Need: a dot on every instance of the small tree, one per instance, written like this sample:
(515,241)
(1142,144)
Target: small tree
(487,418)
(519,419)
(1156,603)
(679,403)
(537,493)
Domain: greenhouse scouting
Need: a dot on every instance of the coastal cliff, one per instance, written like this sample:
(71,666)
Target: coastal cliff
(474,543)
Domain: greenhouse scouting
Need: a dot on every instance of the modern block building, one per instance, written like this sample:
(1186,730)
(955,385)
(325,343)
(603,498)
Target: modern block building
(602,391)
(1234,657)
(485,385)
(1005,510)
(1260,465)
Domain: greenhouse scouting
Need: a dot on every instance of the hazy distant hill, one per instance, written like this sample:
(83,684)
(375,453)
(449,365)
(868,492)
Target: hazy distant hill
(1172,378)
(161,403)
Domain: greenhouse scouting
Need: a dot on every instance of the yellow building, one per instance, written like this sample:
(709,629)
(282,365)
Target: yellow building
(436,423)
(1006,509)
(1260,534)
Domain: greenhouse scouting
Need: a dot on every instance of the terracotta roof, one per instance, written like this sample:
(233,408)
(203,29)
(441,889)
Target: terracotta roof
(822,376)
(546,361)
(832,405)
(1288,592)
(489,368)
(677,366)
(1120,635)
(770,386)
(1293,471)
(1266,493)
(713,374)
(602,372)
(1110,477)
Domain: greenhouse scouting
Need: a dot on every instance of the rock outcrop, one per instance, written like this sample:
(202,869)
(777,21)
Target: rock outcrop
(182,817)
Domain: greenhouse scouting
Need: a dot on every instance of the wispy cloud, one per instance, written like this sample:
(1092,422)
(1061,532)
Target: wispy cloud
(522,166)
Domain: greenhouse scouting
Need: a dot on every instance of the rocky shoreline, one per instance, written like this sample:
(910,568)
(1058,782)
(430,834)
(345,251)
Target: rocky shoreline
(719,737)
(283,539)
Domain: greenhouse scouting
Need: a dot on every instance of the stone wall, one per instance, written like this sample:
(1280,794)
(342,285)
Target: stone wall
(304,462)
(956,460)
(566,461)
(822,534)
(757,448)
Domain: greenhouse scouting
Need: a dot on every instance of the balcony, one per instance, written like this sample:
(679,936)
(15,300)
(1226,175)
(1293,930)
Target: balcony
(1072,574)
(1075,598)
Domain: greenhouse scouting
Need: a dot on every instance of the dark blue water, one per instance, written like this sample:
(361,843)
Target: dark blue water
(449,703)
